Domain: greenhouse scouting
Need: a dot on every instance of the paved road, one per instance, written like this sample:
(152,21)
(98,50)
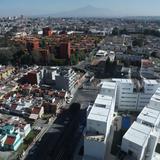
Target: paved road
(52,144)
(55,131)
(39,136)
(82,96)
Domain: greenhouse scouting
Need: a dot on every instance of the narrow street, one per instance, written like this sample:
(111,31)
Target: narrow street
(38,137)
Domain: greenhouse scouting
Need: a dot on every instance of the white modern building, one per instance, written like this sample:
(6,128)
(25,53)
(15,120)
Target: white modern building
(141,139)
(67,79)
(61,78)
(99,123)
(140,142)
(155,101)
(133,95)
(149,117)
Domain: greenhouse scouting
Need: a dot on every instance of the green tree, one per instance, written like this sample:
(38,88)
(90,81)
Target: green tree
(138,42)
(35,31)
(43,43)
(36,57)
(115,31)
(27,59)
(73,59)
(17,57)
(123,31)
(58,62)
(81,56)
(6,56)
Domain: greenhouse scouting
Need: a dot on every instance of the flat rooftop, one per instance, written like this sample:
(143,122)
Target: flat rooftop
(149,115)
(154,105)
(157,91)
(99,111)
(146,81)
(98,114)
(103,101)
(156,156)
(123,80)
(108,85)
(138,134)
(155,98)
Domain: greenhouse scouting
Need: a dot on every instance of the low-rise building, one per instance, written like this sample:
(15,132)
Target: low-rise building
(10,138)
(37,112)
(34,77)
(5,71)
(12,142)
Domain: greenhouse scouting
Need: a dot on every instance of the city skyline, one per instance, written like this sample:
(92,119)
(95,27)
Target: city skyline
(40,7)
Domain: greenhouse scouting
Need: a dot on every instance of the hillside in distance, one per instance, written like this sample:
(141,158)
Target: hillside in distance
(88,11)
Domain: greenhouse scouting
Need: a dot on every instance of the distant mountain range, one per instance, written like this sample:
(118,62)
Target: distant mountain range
(88,11)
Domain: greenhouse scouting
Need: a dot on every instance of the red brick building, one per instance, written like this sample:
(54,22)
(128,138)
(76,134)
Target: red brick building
(33,77)
(32,44)
(47,31)
(65,50)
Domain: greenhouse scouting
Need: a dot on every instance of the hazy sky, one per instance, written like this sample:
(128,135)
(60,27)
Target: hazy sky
(35,7)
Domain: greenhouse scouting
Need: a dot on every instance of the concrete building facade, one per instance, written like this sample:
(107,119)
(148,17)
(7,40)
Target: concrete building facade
(133,95)
(99,123)
(61,78)
(140,141)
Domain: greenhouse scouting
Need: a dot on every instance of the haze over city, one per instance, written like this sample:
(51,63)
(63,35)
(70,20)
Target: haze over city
(79,80)
(58,8)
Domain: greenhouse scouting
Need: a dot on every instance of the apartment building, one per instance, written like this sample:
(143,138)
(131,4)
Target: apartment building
(133,94)
(140,141)
(99,123)
(147,68)
(12,133)
(34,77)
(47,31)
(61,78)
(65,50)
(155,101)
(150,117)
(32,43)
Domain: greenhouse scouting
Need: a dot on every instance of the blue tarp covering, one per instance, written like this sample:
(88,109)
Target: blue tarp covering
(126,122)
